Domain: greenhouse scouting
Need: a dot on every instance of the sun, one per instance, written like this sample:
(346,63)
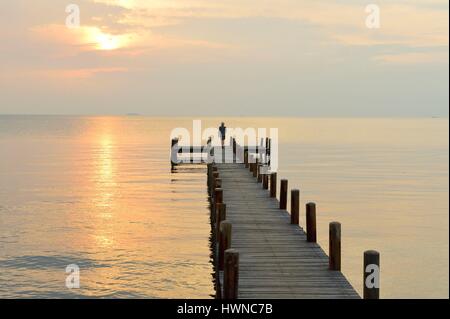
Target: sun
(107,42)
(104,41)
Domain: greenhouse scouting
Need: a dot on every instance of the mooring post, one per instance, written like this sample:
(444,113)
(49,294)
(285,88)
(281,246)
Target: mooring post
(259,173)
(311,229)
(208,174)
(371,274)
(224,241)
(255,168)
(218,196)
(231,274)
(215,175)
(218,183)
(218,199)
(265,181)
(273,185)
(246,158)
(335,246)
(295,206)
(283,193)
(250,160)
(221,210)
(213,169)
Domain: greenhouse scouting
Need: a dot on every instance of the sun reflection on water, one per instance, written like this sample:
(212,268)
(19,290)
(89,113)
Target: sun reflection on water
(105,171)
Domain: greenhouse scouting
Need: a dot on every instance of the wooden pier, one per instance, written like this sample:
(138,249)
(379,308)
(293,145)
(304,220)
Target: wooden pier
(260,250)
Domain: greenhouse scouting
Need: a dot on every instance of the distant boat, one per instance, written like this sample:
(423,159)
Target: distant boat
(133,114)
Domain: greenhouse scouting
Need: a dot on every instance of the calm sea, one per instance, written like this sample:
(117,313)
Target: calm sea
(98,192)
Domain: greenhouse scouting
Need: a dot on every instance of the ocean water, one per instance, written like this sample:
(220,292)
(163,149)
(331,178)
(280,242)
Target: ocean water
(98,192)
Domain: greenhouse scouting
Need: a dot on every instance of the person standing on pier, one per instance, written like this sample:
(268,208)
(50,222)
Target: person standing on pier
(222,132)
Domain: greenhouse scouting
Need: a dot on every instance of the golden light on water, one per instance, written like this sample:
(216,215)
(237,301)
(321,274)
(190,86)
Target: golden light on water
(105,186)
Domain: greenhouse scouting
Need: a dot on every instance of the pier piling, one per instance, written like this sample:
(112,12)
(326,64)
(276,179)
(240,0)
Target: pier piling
(371,274)
(231,274)
(273,185)
(295,206)
(335,246)
(221,215)
(311,230)
(224,241)
(283,193)
(265,181)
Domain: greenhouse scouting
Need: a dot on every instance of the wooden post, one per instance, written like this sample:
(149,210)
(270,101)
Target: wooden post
(273,185)
(221,211)
(250,166)
(208,174)
(215,175)
(224,241)
(283,193)
(265,181)
(255,168)
(371,274)
(210,178)
(259,173)
(311,229)
(218,199)
(266,159)
(246,159)
(295,206)
(231,274)
(217,183)
(218,195)
(335,246)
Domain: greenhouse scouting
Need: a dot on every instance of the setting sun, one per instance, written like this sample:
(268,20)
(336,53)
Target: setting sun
(105,41)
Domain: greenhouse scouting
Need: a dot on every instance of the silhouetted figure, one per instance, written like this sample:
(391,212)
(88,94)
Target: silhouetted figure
(222,132)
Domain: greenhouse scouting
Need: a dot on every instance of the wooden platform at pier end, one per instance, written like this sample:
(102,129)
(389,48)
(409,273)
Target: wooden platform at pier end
(275,260)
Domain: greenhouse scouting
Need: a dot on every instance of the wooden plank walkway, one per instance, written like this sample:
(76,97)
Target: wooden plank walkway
(270,255)
(275,260)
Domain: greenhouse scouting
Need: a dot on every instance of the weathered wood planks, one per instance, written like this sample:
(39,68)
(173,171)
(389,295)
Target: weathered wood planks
(275,258)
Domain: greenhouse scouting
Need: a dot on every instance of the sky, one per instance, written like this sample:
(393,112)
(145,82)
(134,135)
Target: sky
(225,58)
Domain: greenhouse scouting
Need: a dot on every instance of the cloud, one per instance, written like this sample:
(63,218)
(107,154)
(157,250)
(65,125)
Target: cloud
(262,53)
